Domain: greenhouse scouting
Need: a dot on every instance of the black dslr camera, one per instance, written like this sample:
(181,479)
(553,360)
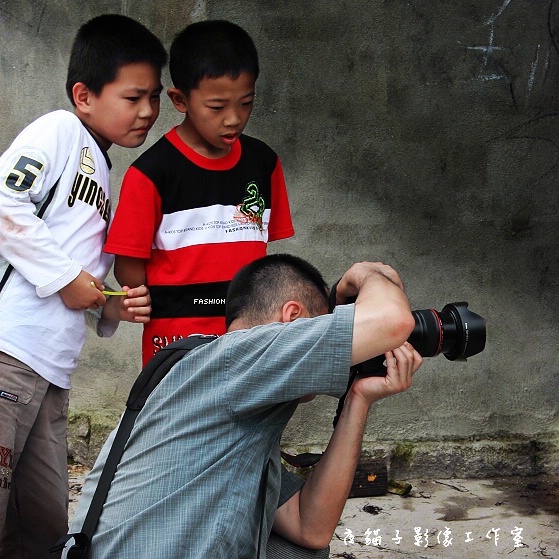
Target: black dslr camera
(456,332)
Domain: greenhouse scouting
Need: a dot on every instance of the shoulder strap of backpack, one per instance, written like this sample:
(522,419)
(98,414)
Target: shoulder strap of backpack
(151,375)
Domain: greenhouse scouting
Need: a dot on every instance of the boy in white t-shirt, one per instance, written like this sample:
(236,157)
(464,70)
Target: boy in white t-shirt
(54,214)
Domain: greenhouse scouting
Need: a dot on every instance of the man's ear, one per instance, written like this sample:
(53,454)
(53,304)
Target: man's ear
(292,310)
(82,96)
(178,98)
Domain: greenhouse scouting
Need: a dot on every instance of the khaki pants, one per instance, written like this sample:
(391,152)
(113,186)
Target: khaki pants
(33,462)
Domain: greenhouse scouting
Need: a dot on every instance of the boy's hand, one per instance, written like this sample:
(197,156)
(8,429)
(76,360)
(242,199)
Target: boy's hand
(134,307)
(79,294)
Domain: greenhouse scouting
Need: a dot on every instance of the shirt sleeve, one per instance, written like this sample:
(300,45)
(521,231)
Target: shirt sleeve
(280,548)
(137,217)
(103,327)
(29,171)
(282,362)
(280,226)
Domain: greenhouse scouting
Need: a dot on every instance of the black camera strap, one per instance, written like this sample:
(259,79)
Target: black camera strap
(148,379)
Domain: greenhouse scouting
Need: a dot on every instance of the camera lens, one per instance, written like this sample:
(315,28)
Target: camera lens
(455,332)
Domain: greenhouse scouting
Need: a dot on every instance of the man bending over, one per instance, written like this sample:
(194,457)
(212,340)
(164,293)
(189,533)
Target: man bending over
(201,475)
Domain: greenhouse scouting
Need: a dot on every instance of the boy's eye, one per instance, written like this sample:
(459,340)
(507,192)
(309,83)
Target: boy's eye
(215,107)
(133,99)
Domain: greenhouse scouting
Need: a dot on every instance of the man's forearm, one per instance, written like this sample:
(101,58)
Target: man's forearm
(310,517)
(325,493)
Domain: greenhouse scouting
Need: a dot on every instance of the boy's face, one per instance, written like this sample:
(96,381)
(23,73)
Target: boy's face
(126,109)
(216,113)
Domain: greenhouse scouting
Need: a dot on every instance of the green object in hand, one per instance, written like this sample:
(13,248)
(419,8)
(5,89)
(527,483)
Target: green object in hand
(106,292)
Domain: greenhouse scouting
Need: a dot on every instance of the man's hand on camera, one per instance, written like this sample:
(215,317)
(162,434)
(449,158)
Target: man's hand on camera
(401,365)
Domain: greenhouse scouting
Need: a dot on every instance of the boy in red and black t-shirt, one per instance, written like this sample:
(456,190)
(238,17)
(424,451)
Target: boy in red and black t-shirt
(205,199)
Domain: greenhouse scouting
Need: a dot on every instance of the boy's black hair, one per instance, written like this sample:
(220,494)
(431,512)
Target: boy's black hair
(260,288)
(211,49)
(106,43)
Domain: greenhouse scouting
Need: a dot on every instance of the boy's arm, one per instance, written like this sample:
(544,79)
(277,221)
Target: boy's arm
(130,271)
(27,244)
(280,226)
(310,517)
(80,294)
(29,170)
(133,228)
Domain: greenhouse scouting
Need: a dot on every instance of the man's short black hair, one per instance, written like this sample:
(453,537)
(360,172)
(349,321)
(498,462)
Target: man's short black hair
(106,43)
(211,49)
(260,288)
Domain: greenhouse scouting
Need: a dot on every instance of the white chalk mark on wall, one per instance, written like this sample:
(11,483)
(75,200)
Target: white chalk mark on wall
(499,63)
(492,19)
(491,68)
(533,69)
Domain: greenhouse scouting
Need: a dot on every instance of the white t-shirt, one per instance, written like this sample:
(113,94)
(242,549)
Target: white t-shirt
(56,170)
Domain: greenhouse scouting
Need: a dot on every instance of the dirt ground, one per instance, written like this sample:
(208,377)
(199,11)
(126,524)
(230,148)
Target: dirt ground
(517,518)
(477,519)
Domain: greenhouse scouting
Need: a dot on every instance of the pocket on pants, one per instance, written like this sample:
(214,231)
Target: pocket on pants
(18,382)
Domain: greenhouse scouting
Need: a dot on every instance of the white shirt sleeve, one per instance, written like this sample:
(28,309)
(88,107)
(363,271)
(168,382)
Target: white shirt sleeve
(29,169)
(103,327)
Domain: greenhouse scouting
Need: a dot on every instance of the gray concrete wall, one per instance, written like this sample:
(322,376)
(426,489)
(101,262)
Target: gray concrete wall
(422,134)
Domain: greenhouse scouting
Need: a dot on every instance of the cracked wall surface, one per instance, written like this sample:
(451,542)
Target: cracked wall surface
(421,134)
